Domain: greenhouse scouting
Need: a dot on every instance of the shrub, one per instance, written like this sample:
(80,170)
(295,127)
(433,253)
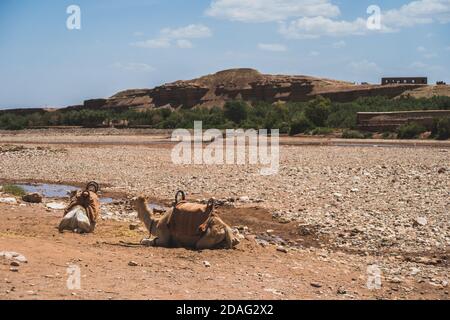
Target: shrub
(322,131)
(353,134)
(443,129)
(387,135)
(300,125)
(410,131)
(12,122)
(14,190)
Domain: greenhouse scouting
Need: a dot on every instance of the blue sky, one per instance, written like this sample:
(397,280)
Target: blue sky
(127,44)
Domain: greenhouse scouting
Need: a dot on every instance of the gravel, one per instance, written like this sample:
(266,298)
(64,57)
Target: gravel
(367,200)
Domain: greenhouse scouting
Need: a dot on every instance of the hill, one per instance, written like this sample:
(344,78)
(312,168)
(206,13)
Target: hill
(244,84)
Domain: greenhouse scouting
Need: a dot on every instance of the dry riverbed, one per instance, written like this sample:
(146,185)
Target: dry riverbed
(311,231)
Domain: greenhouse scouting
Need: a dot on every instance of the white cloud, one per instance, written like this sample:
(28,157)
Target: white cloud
(364,67)
(411,14)
(421,49)
(308,19)
(138,34)
(339,44)
(178,35)
(430,55)
(426,68)
(133,67)
(314,53)
(272,47)
(153,43)
(418,65)
(184,44)
(310,28)
(418,12)
(270,10)
(192,31)
(426,54)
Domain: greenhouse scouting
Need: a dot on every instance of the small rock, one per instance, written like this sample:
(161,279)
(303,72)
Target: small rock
(442,170)
(337,195)
(14,269)
(8,200)
(56,205)
(134,226)
(274,291)
(421,221)
(132,264)
(242,228)
(396,280)
(14,264)
(414,271)
(341,290)
(282,249)
(270,231)
(244,199)
(32,198)
(315,285)
(10,255)
(206,264)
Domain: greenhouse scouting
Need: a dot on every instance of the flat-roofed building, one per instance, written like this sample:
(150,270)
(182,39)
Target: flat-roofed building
(404,80)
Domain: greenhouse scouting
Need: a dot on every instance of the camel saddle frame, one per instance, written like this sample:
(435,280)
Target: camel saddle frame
(188,222)
(89,200)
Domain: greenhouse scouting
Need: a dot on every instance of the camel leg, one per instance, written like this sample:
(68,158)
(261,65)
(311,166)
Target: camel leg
(211,239)
(163,239)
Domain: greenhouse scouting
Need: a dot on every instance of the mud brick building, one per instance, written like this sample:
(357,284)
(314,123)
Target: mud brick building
(405,80)
(390,121)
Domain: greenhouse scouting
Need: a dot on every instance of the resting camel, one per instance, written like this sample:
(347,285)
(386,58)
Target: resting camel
(82,213)
(186,225)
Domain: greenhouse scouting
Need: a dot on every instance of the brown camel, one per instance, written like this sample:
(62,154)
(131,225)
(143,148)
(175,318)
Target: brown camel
(186,225)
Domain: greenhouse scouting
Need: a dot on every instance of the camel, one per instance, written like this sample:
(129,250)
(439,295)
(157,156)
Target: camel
(82,213)
(186,225)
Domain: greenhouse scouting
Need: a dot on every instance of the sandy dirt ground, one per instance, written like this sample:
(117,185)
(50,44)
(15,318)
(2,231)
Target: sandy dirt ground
(248,272)
(337,212)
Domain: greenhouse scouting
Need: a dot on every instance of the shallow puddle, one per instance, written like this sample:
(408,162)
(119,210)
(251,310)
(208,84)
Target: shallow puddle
(106,200)
(156,207)
(49,190)
(55,191)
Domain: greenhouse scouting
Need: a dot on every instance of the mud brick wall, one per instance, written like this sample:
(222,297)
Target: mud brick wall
(390,121)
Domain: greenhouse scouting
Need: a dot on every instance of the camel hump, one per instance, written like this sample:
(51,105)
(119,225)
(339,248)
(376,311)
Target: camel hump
(189,220)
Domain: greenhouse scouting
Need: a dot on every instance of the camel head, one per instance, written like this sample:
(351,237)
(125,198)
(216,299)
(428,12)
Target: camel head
(140,205)
(144,214)
(139,201)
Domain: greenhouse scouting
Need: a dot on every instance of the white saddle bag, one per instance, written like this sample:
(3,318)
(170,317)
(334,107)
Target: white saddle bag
(76,220)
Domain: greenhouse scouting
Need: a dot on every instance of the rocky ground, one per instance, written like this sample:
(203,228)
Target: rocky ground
(342,208)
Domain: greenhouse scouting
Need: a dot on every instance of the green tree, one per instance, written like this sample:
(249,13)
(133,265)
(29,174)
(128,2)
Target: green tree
(236,111)
(300,125)
(318,110)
